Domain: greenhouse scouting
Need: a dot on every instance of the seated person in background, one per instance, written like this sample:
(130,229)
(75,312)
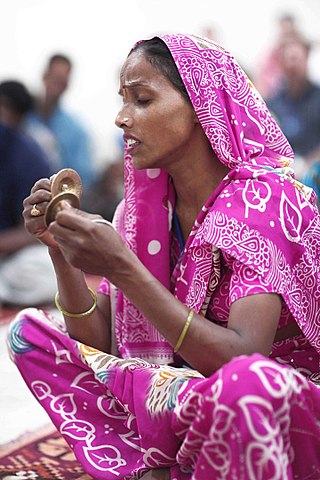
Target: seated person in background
(104,195)
(269,68)
(16,105)
(26,273)
(296,107)
(74,142)
(199,356)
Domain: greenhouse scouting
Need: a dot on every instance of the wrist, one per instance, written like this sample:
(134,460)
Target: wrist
(61,265)
(131,276)
(55,253)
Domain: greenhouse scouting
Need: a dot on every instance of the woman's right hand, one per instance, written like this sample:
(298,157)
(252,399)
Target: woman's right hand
(38,199)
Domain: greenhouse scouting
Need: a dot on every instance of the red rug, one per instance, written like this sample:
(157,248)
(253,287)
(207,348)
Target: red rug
(40,456)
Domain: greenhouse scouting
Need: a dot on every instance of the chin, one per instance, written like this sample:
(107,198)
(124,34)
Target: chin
(140,164)
(137,165)
(143,162)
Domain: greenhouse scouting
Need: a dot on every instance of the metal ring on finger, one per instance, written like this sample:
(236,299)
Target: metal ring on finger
(35,212)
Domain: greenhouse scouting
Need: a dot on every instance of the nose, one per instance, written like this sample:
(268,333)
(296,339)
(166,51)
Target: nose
(121,120)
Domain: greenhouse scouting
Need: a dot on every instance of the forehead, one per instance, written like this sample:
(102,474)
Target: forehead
(137,70)
(294,50)
(59,67)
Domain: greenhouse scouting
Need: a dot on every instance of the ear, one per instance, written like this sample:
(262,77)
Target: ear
(195,118)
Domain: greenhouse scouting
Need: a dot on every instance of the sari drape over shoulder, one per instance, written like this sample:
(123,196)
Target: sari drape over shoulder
(132,410)
(259,214)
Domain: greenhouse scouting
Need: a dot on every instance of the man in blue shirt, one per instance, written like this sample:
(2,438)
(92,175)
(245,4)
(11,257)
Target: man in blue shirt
(296,107)
(74,144)
(26,274)
(16,105)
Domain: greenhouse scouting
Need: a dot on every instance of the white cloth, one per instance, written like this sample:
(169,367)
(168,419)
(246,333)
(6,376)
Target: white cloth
(27,277)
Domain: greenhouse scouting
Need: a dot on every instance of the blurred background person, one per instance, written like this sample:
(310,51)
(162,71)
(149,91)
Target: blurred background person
(106,192)
(16,107)
(74,141)
(296,106)
(211,31)
(269,74)
(26,273)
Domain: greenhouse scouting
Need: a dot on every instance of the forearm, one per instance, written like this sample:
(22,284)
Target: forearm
(217,345)
(74,297)
(98,249)
(13,239)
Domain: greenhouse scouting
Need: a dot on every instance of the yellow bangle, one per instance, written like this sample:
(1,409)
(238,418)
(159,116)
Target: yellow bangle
(184,331)
(77,315)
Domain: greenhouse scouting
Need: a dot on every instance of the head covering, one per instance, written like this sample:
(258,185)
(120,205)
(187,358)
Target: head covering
(258,214)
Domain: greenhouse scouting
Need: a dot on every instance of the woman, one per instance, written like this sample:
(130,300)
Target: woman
(213,267)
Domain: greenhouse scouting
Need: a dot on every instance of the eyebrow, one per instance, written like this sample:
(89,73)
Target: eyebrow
(132,85)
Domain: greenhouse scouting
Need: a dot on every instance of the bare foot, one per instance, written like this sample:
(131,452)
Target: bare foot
(157,474)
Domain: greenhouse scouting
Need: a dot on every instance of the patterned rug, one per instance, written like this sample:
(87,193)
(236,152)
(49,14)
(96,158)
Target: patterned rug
(40,456)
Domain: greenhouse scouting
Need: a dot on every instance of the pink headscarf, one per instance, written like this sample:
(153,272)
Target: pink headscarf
(259,214)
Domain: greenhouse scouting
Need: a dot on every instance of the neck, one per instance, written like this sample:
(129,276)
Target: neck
(297,86)
(194,184)
(47,106)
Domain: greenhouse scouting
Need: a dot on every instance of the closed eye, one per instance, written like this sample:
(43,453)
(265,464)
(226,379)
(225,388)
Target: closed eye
(142,101)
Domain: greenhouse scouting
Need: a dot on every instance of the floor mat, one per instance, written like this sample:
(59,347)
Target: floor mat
(42,455)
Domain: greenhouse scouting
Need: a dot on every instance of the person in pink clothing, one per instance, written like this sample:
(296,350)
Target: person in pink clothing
(198,357)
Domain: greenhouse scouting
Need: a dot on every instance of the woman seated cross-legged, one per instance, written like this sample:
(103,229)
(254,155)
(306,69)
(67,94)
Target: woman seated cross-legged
(198,356)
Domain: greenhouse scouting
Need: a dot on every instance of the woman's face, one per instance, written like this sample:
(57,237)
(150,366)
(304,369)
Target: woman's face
(157,121)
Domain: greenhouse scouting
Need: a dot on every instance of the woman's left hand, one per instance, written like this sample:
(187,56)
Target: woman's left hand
(94,248)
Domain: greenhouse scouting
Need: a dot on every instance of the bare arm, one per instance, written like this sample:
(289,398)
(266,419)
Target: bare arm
(74,295)
(251,328)
(98,249)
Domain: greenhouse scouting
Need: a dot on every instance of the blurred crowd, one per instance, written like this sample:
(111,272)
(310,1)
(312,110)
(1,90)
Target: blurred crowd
(39,136)
(284,81)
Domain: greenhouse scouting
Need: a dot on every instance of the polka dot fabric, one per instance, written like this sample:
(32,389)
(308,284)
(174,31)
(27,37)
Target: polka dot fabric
(259,214)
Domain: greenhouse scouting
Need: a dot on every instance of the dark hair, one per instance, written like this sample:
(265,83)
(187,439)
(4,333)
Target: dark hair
(287,17)
(158,54)
(59,57)
(17,96)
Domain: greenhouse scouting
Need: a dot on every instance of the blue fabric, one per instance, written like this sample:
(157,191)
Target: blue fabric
(73,143)
(312,179)
(299,118)
(22,163)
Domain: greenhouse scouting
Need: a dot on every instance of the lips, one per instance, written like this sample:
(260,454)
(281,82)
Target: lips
(131,143)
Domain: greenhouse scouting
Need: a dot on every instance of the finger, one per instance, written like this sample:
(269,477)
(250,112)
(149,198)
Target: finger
(60,231)
(42,183)
(74,218)
(38,197)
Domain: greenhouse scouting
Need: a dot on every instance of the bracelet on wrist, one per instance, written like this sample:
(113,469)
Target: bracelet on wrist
(77,315)
(184,331)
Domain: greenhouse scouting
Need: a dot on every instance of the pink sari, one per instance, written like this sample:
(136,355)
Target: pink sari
(255,418)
